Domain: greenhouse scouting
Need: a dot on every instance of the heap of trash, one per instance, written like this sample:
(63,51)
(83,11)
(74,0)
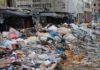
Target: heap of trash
(51,47)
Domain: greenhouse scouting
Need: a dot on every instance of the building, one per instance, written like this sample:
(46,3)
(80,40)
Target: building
(51,10)
(58,5)
(41,4)
(96,10)
(12,14)
(52,5)
(77,8)
(87,11)
(22,4)
(2,3)
(62,8)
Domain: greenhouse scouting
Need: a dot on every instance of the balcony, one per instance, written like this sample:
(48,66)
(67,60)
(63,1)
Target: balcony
(97,8)
(97,2)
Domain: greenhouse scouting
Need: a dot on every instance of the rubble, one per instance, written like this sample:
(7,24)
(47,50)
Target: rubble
(50,48)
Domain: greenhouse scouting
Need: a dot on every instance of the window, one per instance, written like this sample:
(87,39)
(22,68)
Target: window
(63,5)
(94,4)
(21,0)
(36,0)
(23,5)
(87,5)
(36,5)
(44,5)
(48,5)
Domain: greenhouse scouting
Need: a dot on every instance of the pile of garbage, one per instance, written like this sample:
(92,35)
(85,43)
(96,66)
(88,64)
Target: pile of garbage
(50,47)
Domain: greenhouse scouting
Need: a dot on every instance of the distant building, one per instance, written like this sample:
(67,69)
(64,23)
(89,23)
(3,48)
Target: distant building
(62,8)
(77,7)
(23,4)
(42,4)
(70,6)
(96,10)
(59,8)
(52,5)
(2,3)
(87,11)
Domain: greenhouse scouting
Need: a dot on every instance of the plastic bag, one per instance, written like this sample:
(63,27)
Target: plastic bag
(5,34)
(52,28)
(13,33)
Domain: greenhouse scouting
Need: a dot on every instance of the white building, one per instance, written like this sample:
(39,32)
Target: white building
(63,7)
(41,4)
(87,11)
(69,6)
(74,7)
(24,4)
(2,3)
(59,5)
(52,5)
(78,6)
(88,5)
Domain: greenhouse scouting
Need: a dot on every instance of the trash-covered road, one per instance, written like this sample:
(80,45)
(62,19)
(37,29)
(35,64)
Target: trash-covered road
(67,47)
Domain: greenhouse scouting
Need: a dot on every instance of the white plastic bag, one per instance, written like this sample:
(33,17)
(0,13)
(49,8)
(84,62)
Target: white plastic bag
(52,28)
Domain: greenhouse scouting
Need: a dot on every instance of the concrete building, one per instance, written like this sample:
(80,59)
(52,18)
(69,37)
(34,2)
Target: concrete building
(58,8)
(61,7)
(96,10)
(52,5)
(77,7)
(70,6)
(41,4)
(2,3)
(87,11)
(23,4)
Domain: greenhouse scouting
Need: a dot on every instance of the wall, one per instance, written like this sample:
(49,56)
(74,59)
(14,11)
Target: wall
(71,6)
(43,4)
(2,3)
(52,5)
(25,4)
(87,11)
(88,5)
(96,10)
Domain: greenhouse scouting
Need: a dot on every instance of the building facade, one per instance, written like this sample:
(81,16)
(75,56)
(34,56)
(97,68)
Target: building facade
(2,3)
(96,10)
(42,4)
(52,5)
(87,11)
(63,7)
(77,7)
(23,4)
(59,9)
(70,6)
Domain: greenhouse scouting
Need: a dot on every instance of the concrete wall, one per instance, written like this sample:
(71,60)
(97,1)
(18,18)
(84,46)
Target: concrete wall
(70,6)
(88,5)
(22,3)
(42,4)
(2,3)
